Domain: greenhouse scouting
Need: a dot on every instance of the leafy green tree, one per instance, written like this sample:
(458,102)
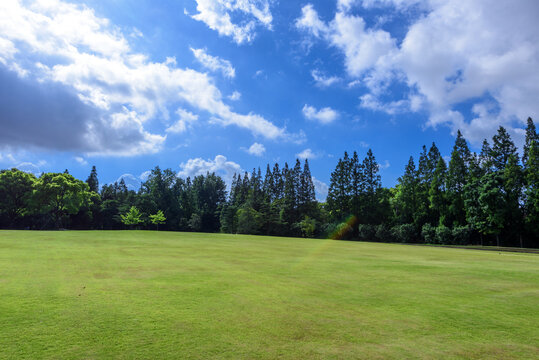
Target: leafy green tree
(15,195)
(60,194)
(132,217)
(158,218)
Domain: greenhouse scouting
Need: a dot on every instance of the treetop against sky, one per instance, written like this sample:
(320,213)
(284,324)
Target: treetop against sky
(225,86)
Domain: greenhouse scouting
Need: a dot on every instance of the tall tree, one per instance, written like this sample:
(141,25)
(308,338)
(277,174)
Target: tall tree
(372,186)
(531,137)
(456,179)
(92,181)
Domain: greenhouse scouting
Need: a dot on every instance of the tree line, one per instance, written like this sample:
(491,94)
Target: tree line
(489,198)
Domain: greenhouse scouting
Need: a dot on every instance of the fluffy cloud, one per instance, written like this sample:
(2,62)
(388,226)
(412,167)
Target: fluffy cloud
(368,101)
(185,119)
(480,52)
(63,70)
(214,63)
(256,149)
(30,168)
(325,115)
(324,81)
(235,96)
(220,165)
(321,189)
(306,154)
(217,15)
(81,160)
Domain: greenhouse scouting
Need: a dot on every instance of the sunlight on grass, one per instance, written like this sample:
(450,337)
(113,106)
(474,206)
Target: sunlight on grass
(141,294)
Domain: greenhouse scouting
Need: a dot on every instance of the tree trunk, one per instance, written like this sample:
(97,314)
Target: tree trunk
(498,240)
(521,244)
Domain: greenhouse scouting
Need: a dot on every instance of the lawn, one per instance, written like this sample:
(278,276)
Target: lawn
(142,294)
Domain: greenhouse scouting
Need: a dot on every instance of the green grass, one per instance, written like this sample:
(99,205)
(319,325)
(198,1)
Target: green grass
(135,295)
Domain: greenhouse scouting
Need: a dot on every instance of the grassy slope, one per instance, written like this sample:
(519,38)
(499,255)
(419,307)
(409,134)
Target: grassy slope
(161,295)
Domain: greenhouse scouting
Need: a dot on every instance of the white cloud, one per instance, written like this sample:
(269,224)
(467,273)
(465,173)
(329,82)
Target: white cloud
(321,189)
(30,168)
(454,52)
(214,63)
(185,120)
(94,86)
(132,182)
(235,96)
(256,149)
(368,101)
(384,166)
(325,115)
(81,160)
(220,165)
(145,175)
(306,154)
(217,15)
(322,80)
(363,144)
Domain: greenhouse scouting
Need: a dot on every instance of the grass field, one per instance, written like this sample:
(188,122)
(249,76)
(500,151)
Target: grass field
(140,294)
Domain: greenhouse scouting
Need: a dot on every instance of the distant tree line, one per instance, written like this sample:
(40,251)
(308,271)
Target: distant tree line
(490,198)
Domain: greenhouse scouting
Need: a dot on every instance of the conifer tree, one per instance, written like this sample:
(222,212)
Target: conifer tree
(92,181)
(372,186)
(531,137)
(456,179)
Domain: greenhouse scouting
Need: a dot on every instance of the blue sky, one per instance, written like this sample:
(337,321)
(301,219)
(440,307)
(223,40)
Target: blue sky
(228,85)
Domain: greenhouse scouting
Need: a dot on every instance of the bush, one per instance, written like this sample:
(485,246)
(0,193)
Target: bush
(444,235)
(366,232)
(428,233)
(383,233)
(462,235)
(405,233)
(339,231)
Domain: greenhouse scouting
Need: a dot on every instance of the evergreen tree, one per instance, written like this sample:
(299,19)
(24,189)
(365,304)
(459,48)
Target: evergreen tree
(531,194)
(406,196)
(372,186)
(502,149)
(92,181)
(456,179)
(437,194)
(531,137)
(338,199)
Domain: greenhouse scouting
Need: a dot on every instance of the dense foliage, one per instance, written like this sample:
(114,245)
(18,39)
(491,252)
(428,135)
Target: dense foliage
(490,198)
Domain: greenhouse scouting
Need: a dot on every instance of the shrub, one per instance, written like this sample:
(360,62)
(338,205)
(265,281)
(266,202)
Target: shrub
(428,233)
(444,235)
(462,235)
(404,233)
(366,232)
(383,233)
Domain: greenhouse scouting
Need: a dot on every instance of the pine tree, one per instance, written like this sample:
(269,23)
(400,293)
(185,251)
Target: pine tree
(502,149)
(437,194)
(372,186)
(531,137)
(338,199)
(92,181)
(531,193)
(406,197)
(456,179)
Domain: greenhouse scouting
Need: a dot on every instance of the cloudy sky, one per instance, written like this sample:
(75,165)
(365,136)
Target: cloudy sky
(227,85)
